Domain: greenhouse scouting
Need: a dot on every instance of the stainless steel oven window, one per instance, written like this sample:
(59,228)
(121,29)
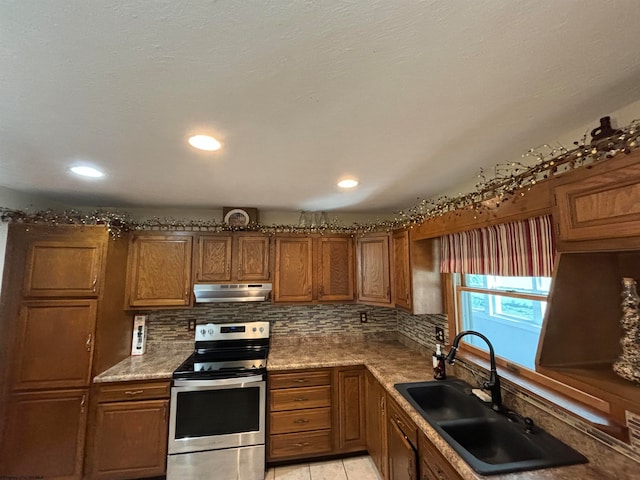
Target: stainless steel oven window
(213,414)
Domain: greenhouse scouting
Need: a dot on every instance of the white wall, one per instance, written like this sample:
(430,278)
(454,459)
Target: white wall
(266,217)
(619,118)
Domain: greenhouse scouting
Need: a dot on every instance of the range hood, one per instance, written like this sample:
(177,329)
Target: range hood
(243,292)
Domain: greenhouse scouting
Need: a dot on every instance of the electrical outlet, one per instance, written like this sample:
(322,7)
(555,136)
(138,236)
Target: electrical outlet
(363,317)
(191,325)
(440,334)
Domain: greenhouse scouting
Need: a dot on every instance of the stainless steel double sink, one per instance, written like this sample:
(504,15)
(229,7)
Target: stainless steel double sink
(490,442)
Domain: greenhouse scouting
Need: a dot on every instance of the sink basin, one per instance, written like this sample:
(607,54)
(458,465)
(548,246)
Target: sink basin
(443,401)
(488,441)
(493,442)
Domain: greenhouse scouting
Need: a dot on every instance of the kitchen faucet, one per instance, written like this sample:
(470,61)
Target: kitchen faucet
(493,384)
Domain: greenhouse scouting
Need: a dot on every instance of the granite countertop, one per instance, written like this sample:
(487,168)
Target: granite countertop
(392,362)
(158,363)
(389,361)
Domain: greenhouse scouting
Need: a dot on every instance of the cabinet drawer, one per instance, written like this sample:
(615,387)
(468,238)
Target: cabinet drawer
(300,420)
(433,465)
(297,398)
(300,379)
(400,418)
(299,444)
(116,392)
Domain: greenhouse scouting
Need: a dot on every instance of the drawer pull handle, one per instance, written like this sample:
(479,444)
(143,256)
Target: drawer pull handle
(133,392)
(301,380)
(301,399)
(303,444)
(301,420)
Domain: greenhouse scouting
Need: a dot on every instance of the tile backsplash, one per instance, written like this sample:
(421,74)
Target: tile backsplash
(286,320)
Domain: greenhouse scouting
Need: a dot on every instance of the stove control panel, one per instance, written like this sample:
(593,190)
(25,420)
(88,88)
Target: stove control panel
(232,331)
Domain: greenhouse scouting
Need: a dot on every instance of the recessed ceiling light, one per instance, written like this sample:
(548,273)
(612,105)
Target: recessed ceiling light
(205,142)
(347,183)
(87,171)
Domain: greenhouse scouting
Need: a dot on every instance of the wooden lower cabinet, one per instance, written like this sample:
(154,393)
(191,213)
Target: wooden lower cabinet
(300,414)
(350,400)
(44,435)
(433,466)
(128,438)
(376,420)
(402,440)
(334,411)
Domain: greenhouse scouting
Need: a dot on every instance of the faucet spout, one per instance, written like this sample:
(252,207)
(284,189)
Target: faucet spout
(493,384)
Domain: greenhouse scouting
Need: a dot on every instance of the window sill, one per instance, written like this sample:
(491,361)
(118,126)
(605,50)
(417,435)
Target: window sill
(593,411)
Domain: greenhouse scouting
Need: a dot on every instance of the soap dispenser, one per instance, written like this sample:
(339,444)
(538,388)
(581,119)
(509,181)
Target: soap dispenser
(439,372)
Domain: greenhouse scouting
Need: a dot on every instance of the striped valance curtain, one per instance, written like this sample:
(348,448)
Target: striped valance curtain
(524,248)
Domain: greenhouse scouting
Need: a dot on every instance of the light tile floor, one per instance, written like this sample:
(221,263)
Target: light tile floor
(355,468)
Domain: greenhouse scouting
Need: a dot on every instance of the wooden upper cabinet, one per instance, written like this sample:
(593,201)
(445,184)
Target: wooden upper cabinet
(253,258)
(54,344)
(59,268)
(214,258)
(600,202)
(226,258)
(416,274)
(159,271)
(44,435)
(335,269)
(294,269)
(373,266)
(318,268)
(402,269)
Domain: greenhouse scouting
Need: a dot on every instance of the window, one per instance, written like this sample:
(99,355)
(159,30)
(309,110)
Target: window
(507,310)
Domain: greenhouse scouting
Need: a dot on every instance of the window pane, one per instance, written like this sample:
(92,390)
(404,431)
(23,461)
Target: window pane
(535,285)
(511,324)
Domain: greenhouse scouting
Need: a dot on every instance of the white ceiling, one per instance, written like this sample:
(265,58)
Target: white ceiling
(410,97)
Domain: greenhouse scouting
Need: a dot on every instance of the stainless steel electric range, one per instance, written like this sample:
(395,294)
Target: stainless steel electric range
(218,402)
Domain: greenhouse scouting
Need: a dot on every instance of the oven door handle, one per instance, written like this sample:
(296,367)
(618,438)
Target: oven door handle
(217,383)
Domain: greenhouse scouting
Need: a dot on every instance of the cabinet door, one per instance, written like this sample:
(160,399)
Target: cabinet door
(214,258)
(253,258)
(402,455)
(63,269)
(335,264)
(376,424)
(351,431)
(374,283)
(402,269)
(293,275)
(44,435)
(599,202)
(54,344)
(159,271)
(130,440)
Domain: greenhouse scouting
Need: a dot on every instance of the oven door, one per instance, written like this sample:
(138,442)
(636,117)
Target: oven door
(215,414)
